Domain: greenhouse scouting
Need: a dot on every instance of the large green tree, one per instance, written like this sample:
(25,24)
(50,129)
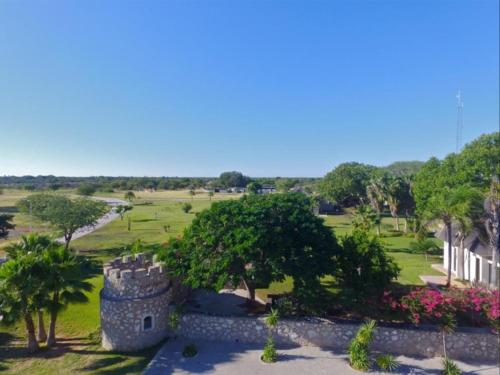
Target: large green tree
(347,183)
(363,265)
(255,240)
(66,214)
(479,161)
(475,166)
(233,179)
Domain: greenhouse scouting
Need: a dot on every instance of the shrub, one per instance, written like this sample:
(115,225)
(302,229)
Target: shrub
(270,354)
(186,207)
(86,189)
(450,368)
(359,356)
(364,265)
(430,305)
(272,319)
(479,304)
(189,351)
(386,362)
(285,305)
(482,306)
(174,318)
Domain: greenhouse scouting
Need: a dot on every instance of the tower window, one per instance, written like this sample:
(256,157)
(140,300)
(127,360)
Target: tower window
(147,323)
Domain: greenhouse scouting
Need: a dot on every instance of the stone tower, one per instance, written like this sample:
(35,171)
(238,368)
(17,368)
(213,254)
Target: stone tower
(134,303)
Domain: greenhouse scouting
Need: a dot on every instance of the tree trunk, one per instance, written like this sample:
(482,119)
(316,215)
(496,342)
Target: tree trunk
(397,223)
(494,260)
(460,260)
(378,229)
(67,239)
(444,344)
(251,291)
(448,232)
(406,225)
(32,345)
(468,267)
(51,339)
(42,334)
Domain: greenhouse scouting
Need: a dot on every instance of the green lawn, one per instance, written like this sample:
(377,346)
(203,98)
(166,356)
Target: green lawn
(79,351)
(398,246)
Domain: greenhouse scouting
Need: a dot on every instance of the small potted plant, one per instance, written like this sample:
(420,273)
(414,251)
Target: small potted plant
(270,355)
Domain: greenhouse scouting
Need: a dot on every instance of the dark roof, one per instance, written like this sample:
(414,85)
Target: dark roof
(472,242)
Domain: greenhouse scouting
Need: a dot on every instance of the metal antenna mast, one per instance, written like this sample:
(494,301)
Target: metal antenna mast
(460,120)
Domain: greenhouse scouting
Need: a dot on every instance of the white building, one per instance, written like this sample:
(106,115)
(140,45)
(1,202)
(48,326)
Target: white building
(477,264)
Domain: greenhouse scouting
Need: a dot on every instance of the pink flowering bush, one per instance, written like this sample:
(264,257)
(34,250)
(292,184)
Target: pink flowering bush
(430,306)
(479,304)
(476,305)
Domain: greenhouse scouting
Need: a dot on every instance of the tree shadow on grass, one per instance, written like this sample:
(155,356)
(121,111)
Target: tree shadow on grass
(136,361)
(9,209)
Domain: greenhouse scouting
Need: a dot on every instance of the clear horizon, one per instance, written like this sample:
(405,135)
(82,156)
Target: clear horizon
(192,88)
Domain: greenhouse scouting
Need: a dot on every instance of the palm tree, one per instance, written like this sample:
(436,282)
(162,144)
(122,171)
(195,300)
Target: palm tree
(129,195)
(492,226)
(19,284)
(65,282)
(464,226)
(34,243)
(449,205)
(31,243)
(376,192)
(423,246)
(394,190)
(365,218)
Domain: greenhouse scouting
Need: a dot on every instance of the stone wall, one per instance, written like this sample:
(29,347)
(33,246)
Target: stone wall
(476,344)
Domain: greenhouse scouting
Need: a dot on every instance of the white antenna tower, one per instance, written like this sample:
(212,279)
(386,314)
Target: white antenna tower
(460,120)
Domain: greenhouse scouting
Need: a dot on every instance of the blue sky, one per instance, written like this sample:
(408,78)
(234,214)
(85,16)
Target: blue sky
(270,88)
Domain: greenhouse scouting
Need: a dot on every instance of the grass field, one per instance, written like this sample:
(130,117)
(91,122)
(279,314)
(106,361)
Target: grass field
(79,351)
(155,218)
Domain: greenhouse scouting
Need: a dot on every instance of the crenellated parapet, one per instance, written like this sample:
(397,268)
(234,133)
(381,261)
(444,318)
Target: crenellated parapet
(134,277)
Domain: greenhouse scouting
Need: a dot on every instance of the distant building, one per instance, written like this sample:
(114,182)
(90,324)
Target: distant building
(267,189)
(476,258)
(237,190)
(327,208)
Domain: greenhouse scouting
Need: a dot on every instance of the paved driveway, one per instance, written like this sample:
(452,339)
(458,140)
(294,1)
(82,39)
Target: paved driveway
(243,359)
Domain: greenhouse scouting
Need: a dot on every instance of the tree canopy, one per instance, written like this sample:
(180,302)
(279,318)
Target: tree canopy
(66,214)
(475,166)
(233,179)
(255,240)
(364,265)
(86,189)
(403,168)
(347,183)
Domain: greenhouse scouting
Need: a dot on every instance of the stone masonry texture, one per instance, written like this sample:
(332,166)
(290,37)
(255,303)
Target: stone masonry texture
(466,344)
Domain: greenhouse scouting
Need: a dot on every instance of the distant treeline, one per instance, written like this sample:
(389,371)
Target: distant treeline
(225,180)
(104,183)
